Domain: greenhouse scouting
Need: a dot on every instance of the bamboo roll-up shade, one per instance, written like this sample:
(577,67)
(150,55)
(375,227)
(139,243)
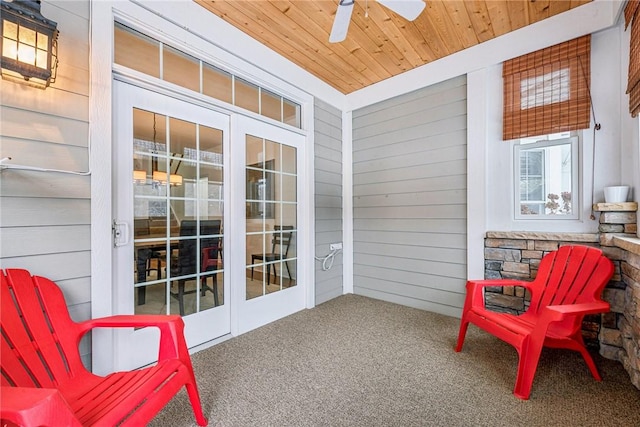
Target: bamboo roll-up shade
(547,91)
(632,16)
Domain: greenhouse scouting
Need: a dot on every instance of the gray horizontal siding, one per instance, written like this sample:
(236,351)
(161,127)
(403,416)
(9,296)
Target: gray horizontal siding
(409,198)
(328,197)
(45,216)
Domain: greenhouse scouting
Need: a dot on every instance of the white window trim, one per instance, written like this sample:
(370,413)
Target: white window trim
(576,165)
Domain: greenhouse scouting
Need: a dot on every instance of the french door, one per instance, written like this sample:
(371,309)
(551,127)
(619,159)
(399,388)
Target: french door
(170,193)
(266,159)
(207,210)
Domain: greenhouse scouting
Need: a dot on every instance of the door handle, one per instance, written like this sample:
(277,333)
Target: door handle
(120,233)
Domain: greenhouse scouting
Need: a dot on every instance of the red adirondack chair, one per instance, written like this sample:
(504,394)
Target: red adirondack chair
(568,287)
(44,381)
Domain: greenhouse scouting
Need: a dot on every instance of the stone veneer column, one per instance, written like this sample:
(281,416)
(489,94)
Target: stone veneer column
(629,323)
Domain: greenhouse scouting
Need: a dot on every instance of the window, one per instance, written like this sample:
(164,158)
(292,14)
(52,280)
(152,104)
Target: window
(546,177)
(142,53)
(547,91)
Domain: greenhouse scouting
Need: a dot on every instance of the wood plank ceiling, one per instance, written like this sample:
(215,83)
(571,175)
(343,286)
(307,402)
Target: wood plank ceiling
(383,44)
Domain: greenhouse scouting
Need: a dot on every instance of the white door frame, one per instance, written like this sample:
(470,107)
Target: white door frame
(200,41)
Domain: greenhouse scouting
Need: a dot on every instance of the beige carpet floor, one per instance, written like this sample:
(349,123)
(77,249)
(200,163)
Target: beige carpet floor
(356,361)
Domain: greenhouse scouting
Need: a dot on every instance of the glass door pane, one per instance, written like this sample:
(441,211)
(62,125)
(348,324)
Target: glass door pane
(178,210)
(271,216)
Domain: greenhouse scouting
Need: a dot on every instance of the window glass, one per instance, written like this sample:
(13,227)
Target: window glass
(291,113)
(217,83)
(246,95)
(181,69)
(546,177)
(136,51)
(271,105)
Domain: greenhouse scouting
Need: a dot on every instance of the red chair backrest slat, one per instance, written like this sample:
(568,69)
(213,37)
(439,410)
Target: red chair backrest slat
(33,354)
(570,275)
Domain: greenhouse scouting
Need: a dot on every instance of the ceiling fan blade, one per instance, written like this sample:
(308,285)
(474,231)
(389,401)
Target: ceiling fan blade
(408,9)
(341,21)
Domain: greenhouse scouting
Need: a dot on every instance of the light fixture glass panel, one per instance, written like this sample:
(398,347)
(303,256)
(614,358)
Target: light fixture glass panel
(181,69)
(246,95)
(271,105)
(10,48)
(26,54)
(217,83)
(27,36)
(43,41)
(41,59)
(10,30)
(137,51)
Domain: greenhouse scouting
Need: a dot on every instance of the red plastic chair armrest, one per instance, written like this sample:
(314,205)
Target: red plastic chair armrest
(27,406)
(131,321)
(559,312)
(172,342)
(475,288)
(497,282)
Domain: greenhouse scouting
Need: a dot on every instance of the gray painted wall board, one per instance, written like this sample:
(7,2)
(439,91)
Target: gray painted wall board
(409,176)
(16,211)
(45,216)
(413,278)
(411,225)
(33,125)
(328,197)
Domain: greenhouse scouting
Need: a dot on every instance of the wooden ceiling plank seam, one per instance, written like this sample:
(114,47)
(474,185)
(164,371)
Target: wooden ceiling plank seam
(480,20)
(348,48)
(420,43)
(315,65)
(538,10)
(430,33)
(559,6)
(518,13)
(372,29)
(371,37)
(394,28)
(262,11)
(363,38)
(446,27)
(309,13)
(462,22)
(499,15)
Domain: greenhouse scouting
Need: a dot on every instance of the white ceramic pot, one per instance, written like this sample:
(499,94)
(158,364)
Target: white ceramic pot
(616,194)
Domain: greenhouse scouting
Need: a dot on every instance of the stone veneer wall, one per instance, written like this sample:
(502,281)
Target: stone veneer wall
(517,255)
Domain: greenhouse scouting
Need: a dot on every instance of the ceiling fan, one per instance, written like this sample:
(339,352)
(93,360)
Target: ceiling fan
(408,9)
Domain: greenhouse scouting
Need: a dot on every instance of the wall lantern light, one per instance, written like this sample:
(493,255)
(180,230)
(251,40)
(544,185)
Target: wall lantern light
(29,49)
